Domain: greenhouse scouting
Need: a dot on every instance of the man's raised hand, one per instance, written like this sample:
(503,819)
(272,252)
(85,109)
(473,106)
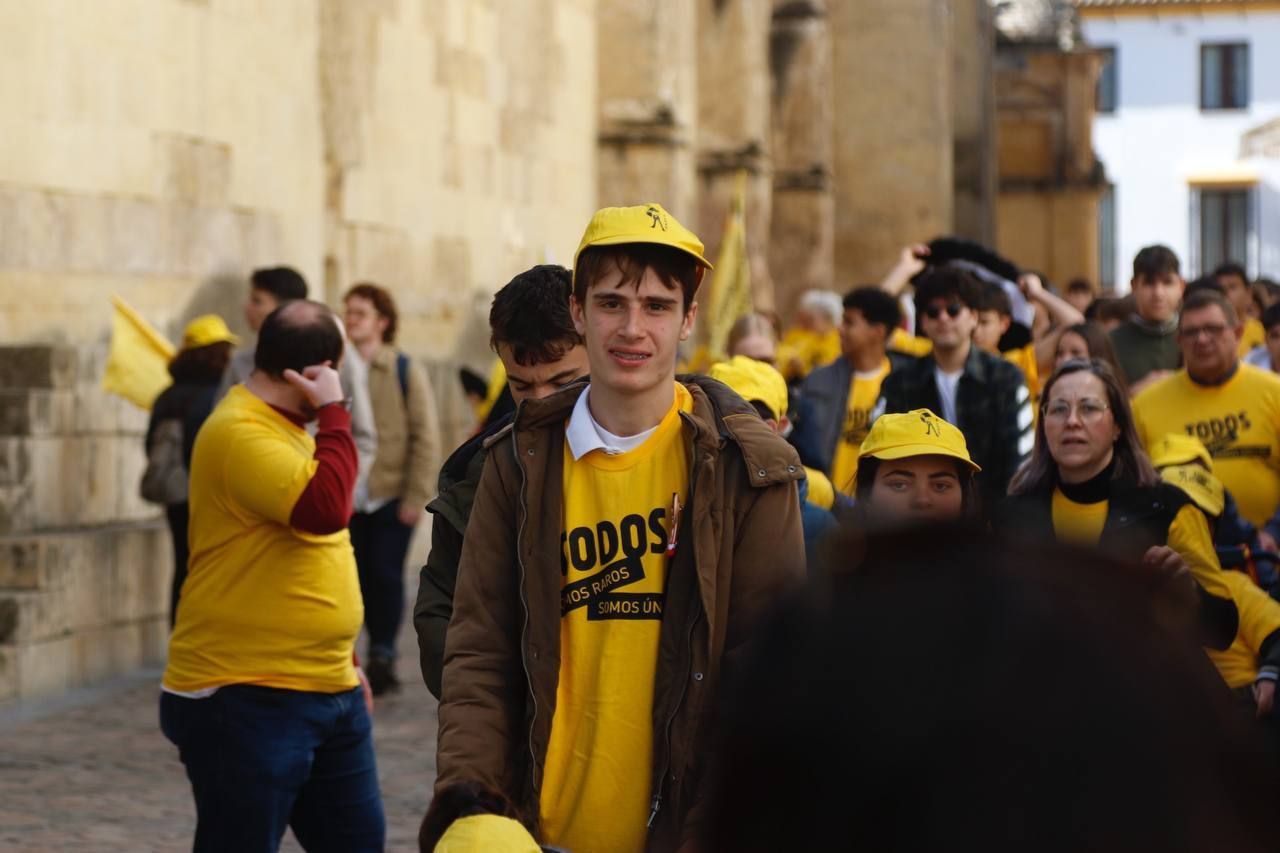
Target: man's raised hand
(319,383)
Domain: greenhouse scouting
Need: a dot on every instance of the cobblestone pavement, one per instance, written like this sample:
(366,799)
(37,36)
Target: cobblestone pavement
(93,772)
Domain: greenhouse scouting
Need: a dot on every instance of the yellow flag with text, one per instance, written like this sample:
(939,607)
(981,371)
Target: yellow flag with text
(138,364)
(730,293)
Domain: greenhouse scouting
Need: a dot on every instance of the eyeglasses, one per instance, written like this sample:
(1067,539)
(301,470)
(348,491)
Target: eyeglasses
(1213,330)
(1088,409)
(934,311)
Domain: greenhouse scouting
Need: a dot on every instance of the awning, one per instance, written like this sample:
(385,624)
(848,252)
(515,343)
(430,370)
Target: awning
(1232,175)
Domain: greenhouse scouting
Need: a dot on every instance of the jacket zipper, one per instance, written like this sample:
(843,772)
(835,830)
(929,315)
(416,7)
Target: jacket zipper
(684,685)
(524,604)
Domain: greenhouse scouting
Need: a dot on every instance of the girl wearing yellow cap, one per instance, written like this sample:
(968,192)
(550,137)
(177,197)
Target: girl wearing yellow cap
(914,468)
(1088,482)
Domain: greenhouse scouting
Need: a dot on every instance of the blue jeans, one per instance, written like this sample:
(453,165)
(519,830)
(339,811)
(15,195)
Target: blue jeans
(261,759)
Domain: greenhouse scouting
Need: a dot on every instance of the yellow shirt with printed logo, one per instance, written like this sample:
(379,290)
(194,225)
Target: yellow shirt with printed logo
(1253,336)
(617,514)
(1238,421)
(1259,618)
(863,393)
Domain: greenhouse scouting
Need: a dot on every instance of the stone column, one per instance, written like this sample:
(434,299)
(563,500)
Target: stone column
(893,149)
(733,127)
(974,117)
(647,75)
(801,246)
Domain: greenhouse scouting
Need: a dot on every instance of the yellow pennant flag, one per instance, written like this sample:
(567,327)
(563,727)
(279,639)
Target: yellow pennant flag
(730,293)
(138,365)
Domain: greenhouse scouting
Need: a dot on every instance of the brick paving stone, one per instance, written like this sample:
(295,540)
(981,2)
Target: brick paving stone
(102,777)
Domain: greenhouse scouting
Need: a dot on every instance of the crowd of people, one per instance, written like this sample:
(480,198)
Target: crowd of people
(951,555)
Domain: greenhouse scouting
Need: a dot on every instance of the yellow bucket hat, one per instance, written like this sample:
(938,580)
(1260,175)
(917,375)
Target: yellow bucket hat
(486,833)
(207,329)
(916,433)
(1200,485)
(642,223)
(753,380)
(1179,449)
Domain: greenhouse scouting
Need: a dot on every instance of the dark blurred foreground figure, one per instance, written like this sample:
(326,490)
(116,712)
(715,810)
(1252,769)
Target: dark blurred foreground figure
(969,694)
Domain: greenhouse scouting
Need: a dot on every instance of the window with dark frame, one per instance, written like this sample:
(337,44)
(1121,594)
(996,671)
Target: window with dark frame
(1224,76)
(1108,91)
(1223,228)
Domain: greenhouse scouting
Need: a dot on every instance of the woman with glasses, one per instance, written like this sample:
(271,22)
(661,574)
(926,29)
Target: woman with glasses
(1089,483)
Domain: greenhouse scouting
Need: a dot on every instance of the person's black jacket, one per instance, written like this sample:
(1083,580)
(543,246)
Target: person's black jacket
(188,402)
(993,410)
(1138,518)
(451,507)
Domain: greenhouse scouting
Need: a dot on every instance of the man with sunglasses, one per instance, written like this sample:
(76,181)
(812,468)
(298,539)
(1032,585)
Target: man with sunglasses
(1232,408)
(982,394)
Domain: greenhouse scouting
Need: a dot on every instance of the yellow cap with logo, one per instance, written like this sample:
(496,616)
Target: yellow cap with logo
(753,380)
(205,330)
(642,223)
(916,433)
(1204,489)
(1178,449)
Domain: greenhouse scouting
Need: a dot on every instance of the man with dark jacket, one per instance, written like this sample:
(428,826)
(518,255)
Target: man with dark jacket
(836,400)
(627,537)
(533,335)
(983,394)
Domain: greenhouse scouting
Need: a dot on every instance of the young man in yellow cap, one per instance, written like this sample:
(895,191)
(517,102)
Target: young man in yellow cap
(627,537)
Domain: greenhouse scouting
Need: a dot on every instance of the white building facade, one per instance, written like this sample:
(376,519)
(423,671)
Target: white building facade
(1185,82)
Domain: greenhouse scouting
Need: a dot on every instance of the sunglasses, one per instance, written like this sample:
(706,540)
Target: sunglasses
(934,311)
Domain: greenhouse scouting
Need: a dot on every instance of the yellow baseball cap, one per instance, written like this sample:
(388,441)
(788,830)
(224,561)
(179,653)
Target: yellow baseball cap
(1200,485)
(753,380)
(207,329)
(486,833)
(1180,449)
(642,223)
(916,433)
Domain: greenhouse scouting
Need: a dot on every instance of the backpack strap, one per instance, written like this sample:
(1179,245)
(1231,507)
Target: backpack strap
(402,373)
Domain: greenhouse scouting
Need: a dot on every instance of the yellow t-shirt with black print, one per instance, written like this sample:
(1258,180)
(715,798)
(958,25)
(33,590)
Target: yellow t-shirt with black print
(1253,336)
(864,392)
(1259,618)
(617,513)
(1238,421)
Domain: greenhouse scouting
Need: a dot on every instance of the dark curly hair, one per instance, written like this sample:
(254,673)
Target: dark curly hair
(383,302)
(201,365)
(530,314)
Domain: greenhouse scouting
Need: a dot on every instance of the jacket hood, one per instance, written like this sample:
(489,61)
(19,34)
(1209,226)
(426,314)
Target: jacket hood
(719,417)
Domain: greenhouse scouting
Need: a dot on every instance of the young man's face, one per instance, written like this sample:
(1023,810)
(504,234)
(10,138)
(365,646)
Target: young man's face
(632,332)
(1209,343)
(857,336)
(256,308)
(535,381)
(364,324)
(1238,293)
(990,327)
(1273,346)
(949,323)
(1157,299)
(1080,299)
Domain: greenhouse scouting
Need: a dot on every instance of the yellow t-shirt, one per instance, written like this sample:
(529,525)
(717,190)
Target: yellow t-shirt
(1259,618)
(1077,523)
(864,392)
(262,603)
(1025,359)
(802,350)
(1254,335)
(616,516)
(904,342)
(1238,421)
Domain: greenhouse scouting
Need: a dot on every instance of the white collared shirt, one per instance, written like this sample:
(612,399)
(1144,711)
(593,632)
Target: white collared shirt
(585,434)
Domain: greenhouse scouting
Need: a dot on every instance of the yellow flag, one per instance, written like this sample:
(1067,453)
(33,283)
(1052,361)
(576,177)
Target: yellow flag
(138,365)
(730,293)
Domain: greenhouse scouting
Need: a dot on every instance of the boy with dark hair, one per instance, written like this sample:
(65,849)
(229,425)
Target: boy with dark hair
(533,335)
(596,614)
(835,402)
(1147,343)
(389,504)
(982,394)
(1235,284)
(995,316)
(1080,294)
